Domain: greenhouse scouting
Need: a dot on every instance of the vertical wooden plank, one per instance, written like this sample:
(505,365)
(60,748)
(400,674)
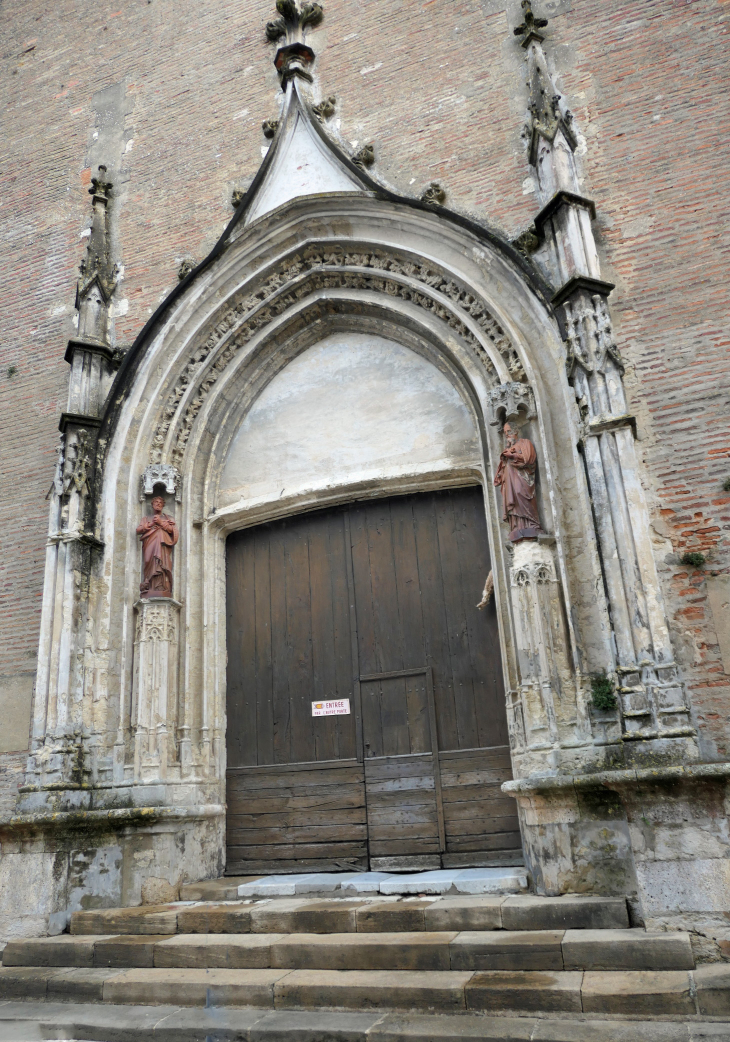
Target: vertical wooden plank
(372,729)
(419,726)
(434,618)
(436,763)
(324,669)
(389,649)
(258,546)
(394,717)
(407,582)
(367,653)
(452,593)
(281,652)
(354,638)
(482,626)
(299,641)
(338,553)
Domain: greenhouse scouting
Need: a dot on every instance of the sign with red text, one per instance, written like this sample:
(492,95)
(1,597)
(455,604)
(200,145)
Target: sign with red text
(335,707)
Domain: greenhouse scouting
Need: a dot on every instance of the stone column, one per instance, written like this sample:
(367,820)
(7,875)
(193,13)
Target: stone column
(155,687)
(547,682)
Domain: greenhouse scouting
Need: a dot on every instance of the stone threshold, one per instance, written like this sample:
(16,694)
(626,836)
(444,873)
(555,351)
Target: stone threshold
(441,881)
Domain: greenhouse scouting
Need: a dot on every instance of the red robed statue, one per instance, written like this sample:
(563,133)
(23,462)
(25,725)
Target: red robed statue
(158,534)
(516,476)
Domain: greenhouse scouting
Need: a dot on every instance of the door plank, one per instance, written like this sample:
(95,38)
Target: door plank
(264,669)
(434,618)
(299,643)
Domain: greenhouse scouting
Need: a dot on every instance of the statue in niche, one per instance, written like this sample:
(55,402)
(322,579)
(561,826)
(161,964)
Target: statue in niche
(516,478)
(159,534)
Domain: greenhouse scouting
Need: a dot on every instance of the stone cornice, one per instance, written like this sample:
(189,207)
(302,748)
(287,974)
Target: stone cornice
(102,820)
(544,784)
(78,343)
(562,198)
(76,419)
(579,282)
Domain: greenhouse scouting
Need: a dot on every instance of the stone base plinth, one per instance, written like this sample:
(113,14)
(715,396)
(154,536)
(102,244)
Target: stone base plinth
(658,836)
(54,864)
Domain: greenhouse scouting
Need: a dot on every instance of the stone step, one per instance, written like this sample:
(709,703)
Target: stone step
(363,914)
(702,992)
(519,950)
(30,1021)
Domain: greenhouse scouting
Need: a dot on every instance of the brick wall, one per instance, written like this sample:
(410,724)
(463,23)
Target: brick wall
(171,96)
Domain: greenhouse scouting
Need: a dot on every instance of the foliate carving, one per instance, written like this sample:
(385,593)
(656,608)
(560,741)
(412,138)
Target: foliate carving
(270,127)
(507,401)
(529,30)
(293,21)
(237,197)
(589,334)
(528,241)
(325,109)
(77,463)
(298,278)
(435,194)
(161,474)
(186,266)
(365,157)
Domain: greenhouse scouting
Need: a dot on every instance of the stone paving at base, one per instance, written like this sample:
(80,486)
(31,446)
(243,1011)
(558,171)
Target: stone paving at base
(31,1021)
(442,881)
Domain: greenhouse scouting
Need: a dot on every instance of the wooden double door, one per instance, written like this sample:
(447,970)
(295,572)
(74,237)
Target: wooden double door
(368,613)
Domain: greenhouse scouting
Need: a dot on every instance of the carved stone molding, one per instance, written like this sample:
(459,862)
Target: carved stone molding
(301,276)
(161,474)
(506,402)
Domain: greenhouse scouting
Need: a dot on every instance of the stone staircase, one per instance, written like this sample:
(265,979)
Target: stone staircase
(466,963)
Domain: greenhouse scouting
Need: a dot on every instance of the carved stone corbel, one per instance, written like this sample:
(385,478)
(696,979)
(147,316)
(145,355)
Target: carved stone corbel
(161,474)
(510,402)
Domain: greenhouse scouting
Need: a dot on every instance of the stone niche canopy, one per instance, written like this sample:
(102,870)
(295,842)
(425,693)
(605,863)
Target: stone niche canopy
(353,408)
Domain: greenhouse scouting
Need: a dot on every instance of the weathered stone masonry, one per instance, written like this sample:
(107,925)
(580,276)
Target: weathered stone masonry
(583,827)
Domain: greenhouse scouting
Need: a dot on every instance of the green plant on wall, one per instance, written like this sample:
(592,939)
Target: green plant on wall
(603,694)
(694,559)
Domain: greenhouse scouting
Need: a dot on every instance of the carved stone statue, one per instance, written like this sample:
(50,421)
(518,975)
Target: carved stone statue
(516,477)
(158,534)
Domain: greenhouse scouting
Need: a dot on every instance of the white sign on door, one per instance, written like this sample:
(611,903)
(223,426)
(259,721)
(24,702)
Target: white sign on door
(338,707)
